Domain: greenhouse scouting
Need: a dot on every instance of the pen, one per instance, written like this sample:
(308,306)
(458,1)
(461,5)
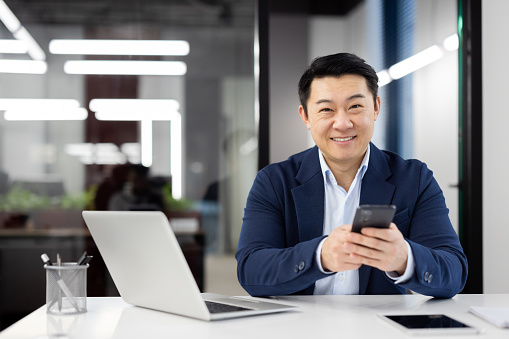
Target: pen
(46,259)
(87,259)
(82,258)
(59,263)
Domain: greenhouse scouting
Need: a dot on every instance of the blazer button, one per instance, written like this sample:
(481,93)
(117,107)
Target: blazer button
(302,265)
(296,268)
(426,277)
(430,278)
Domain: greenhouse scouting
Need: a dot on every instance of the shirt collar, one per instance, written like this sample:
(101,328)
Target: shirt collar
(360,172)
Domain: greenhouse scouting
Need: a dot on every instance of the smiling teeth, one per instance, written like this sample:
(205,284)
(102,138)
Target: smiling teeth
(342,139)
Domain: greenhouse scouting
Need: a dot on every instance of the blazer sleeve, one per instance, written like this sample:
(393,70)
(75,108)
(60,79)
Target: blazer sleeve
(270,258)
(440,264)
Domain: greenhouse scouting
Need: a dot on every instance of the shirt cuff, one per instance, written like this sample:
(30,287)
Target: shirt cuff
(318,257)
(409,271)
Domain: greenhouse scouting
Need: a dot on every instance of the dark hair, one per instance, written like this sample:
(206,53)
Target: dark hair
(336,65)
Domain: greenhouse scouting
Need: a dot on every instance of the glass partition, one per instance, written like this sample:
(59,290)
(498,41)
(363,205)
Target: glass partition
(122,105)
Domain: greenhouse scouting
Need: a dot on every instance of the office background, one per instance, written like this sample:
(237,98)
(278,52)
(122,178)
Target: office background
(222,137)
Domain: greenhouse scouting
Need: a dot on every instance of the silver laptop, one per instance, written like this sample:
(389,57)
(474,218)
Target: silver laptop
(149,269)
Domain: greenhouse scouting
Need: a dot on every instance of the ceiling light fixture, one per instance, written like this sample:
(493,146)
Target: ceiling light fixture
(23,66)
(25,104)
(451,43)
(12,46)
(42,109)
(119,47)
(415,62)
(383,78)
(125,67)
(79,113)
(33,49)
(124,108)
(19,32)
(102,153)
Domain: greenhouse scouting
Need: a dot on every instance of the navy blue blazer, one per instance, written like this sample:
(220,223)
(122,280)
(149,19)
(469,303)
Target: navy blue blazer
(283,223)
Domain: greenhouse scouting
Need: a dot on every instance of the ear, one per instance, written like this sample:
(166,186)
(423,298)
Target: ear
(304,117)
(377,107)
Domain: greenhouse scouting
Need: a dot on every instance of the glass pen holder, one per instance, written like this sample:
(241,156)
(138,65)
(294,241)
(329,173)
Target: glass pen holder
(66,288)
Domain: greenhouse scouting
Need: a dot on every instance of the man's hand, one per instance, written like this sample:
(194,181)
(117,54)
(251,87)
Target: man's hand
(384,249)
(334,256)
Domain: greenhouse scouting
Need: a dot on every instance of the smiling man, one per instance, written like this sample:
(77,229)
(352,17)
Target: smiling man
(296,236)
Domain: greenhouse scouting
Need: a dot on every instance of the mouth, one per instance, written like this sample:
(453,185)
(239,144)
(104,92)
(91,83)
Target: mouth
(343,139)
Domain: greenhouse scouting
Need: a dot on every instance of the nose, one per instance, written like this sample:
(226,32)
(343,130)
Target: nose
(342,121)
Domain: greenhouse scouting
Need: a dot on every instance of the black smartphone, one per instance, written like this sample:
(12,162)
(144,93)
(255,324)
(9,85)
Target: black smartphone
(373,216)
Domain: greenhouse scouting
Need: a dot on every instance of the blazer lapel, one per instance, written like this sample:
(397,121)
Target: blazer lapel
(375,190)
(309,197)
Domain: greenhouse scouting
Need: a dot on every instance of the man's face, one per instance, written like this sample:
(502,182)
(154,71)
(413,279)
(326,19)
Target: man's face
(341,118)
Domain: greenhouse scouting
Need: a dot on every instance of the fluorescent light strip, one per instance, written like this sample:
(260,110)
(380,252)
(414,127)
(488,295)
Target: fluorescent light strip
(103,153)
(134,106)
(8,18)
(34,50)
(146,111)
(119,47)
(132,150)
(25,104)
(14,26)
(46,115)
(135,116)
(451,43)
(23,66)
(146,143)
(419,60)
(126,67)
(12,46)
(176,156)
(415,62)
(383,78)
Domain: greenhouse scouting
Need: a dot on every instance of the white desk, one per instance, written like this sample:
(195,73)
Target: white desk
(318,317)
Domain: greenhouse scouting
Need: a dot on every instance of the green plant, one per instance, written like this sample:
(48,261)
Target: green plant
(22,200)
(84,200)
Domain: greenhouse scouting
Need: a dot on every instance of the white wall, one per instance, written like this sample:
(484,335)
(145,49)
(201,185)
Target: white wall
(435,95)
(288,59)
(495,143)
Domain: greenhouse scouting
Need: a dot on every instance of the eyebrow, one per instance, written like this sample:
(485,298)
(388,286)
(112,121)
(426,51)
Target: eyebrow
(321,101)
(355,96)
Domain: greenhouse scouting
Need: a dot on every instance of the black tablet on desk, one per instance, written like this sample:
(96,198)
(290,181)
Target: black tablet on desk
(429,324)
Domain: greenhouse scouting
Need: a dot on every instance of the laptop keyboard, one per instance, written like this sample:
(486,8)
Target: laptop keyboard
(222,308)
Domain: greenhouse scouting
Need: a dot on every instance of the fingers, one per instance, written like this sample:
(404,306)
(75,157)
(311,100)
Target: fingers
(384,249)
(334,257)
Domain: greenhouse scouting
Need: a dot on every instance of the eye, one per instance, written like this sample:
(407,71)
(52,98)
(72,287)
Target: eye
(325,109)
(355,106)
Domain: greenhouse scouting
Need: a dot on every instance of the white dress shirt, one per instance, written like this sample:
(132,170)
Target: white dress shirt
(340,207)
